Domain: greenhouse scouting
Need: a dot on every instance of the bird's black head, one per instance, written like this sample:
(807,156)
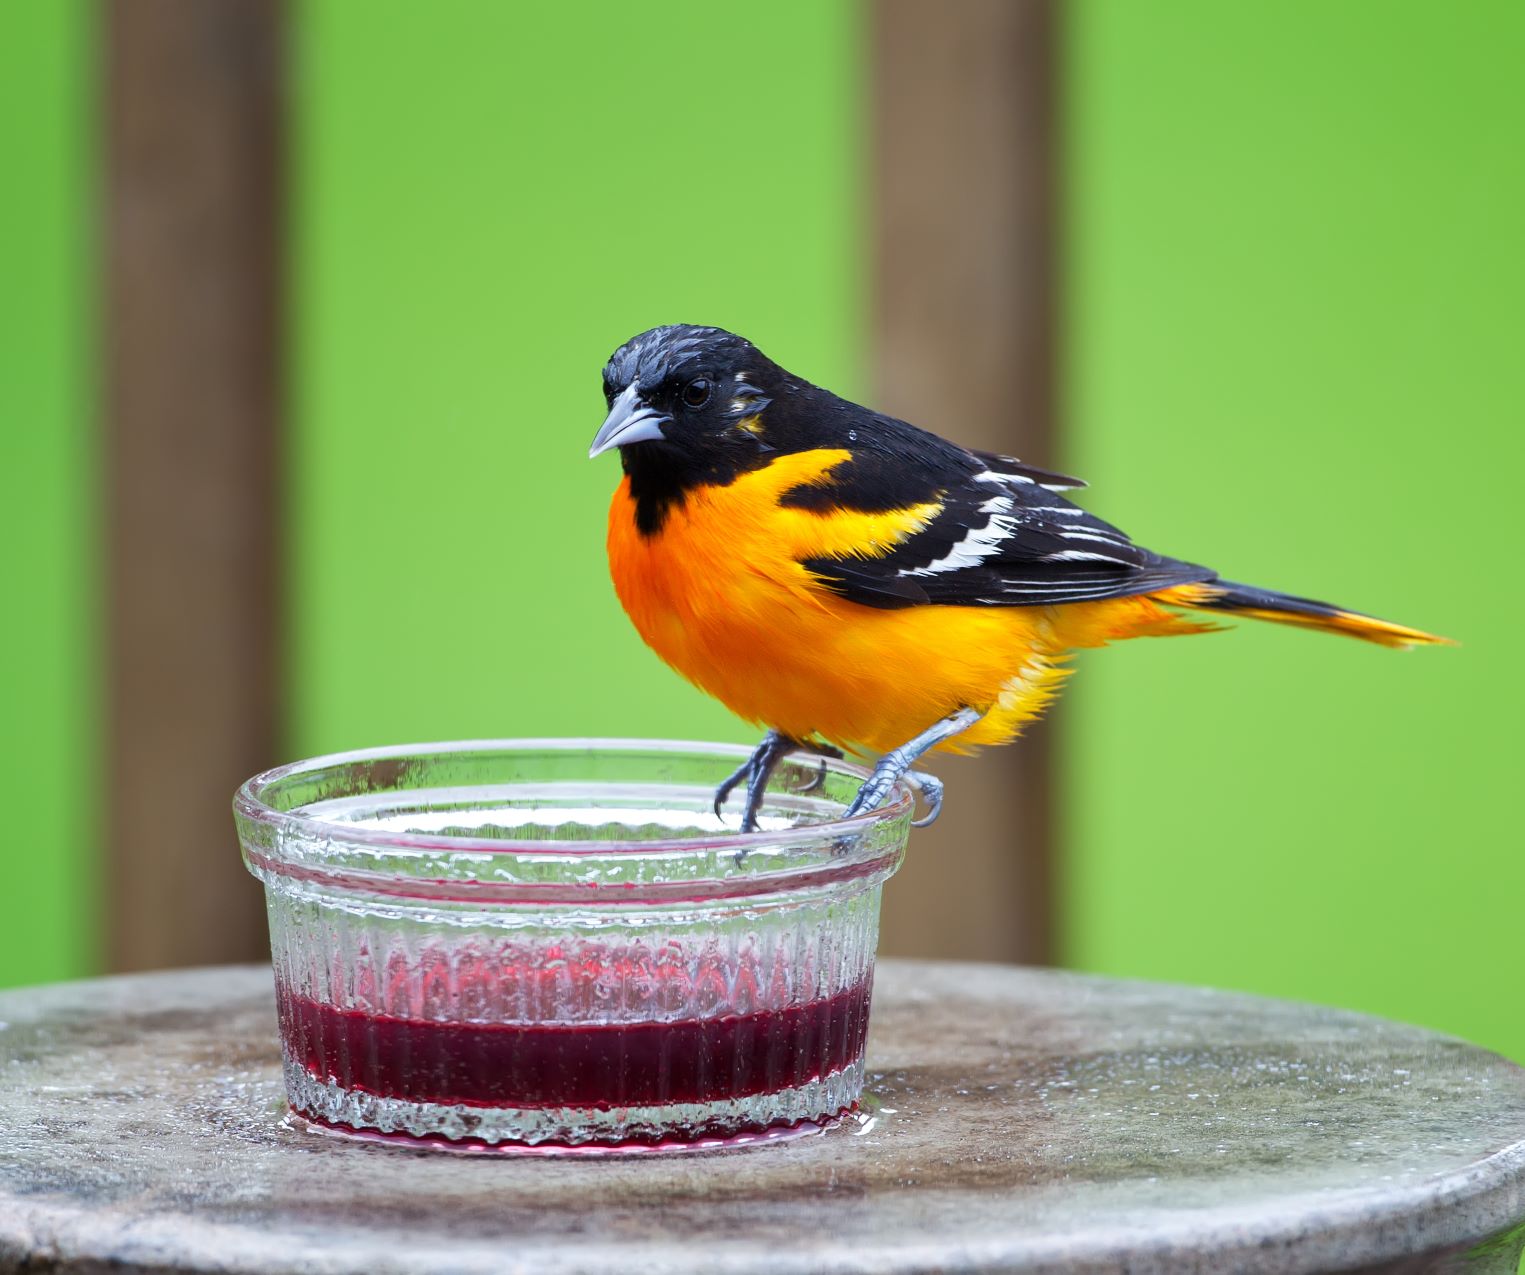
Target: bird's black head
(684,404)
(690,390)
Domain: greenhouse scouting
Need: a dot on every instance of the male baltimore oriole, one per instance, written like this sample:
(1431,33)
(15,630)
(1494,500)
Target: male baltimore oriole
(850,581)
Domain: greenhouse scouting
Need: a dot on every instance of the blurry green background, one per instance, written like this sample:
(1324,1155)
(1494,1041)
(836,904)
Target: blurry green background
(49,703)
(1291,285)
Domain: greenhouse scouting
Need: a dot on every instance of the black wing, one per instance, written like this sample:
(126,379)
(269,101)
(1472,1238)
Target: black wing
(1003,537)
(1010,465)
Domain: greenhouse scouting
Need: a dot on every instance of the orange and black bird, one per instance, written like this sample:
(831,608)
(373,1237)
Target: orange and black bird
(849,581)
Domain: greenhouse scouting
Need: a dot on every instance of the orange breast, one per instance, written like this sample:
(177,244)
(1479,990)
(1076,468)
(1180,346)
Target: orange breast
(719,593)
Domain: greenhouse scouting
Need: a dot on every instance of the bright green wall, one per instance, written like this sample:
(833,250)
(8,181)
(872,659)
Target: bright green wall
(489,199)
(1295,343)
(47,763)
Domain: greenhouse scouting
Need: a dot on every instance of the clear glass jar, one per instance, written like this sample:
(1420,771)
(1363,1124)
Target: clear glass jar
(557,943)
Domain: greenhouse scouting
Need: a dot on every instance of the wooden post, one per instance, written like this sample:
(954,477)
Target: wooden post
(192,137)
(963,199)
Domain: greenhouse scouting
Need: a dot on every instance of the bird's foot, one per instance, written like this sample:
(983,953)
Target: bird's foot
(928,787)
(756,770)
(759,768)
(895,763)
(875,789)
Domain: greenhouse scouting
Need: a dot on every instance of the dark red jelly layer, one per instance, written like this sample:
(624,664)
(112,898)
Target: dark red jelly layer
(594,1065)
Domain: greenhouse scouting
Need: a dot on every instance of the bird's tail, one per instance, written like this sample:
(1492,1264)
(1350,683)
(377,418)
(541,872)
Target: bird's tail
(1283,608)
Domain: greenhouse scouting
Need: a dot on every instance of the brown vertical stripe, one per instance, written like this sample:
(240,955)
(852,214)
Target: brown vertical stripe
(192,134)
(964,155)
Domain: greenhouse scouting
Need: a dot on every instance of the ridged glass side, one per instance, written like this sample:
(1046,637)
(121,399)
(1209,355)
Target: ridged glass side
(574,1027)
(815,1102)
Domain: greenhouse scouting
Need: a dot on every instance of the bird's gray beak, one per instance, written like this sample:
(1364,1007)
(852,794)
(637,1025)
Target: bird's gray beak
(629,421)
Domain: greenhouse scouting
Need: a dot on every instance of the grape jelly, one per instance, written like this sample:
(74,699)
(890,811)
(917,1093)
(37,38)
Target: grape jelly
(596,1065)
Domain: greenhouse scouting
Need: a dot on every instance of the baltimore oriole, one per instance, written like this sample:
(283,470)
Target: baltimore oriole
(850,581)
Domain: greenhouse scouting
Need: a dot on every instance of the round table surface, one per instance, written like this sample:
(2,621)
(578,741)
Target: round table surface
(1020,1120)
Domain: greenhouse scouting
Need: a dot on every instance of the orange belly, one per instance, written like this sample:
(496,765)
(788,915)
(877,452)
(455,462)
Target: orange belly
(720,595)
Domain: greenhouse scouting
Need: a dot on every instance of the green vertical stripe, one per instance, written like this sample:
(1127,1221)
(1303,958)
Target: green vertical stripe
(48,773)
(1295,354)
(488,199)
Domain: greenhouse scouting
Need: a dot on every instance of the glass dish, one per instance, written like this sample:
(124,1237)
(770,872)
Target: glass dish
(557,944)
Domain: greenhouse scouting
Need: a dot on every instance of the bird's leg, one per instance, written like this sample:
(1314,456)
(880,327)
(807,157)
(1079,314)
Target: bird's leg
(897,761)
(727,785)
(755,770)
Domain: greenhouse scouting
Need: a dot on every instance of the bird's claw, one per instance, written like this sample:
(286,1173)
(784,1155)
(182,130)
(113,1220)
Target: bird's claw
(816,780)
(756,770)
(727,786)
(869,796)
(931,789)
(819,779)
(878,785)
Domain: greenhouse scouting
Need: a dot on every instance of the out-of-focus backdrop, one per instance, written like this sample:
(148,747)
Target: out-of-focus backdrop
(303,311)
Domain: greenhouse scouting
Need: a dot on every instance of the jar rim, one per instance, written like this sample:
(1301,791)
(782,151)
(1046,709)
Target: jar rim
(381,845)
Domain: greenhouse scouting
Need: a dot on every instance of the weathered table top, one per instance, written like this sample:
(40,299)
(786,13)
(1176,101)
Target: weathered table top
(1025,1120)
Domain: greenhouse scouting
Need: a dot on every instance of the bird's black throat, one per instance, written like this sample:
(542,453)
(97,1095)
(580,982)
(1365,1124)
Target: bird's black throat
(662,474)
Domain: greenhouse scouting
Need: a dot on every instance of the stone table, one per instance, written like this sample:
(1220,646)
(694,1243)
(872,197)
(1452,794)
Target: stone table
(1022,1120)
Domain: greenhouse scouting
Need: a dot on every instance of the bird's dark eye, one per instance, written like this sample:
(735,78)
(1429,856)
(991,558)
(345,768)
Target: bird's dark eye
(697,392)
